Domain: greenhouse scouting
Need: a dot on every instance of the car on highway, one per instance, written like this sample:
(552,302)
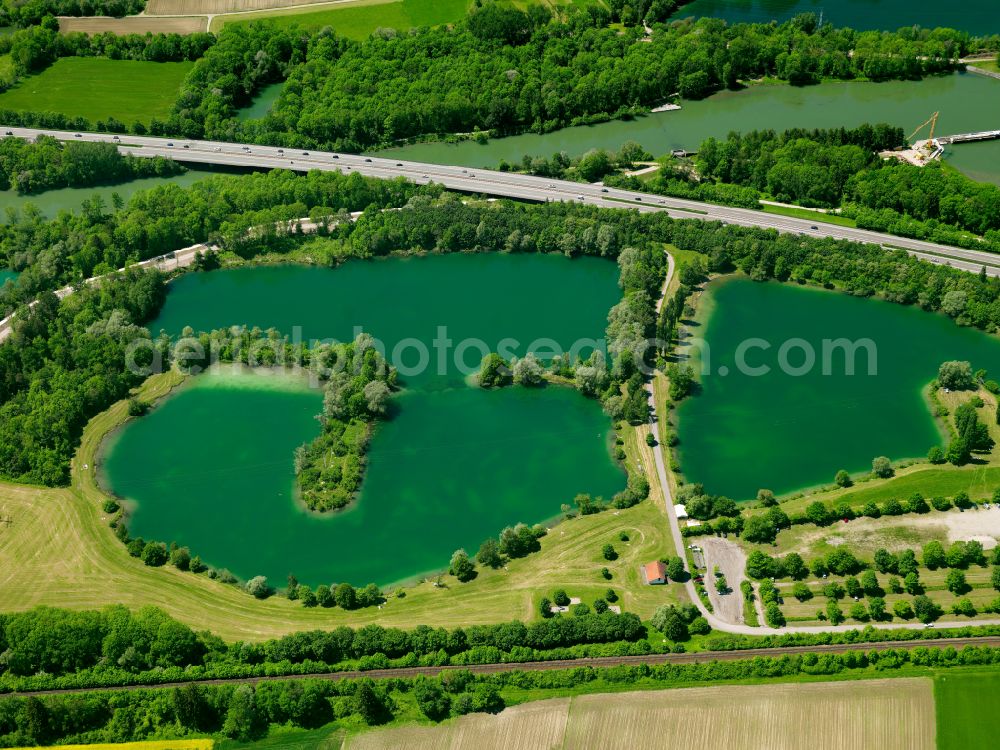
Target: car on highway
(604,190)
(399,163)
(218,148)
(10,132)
(368,160)
(78,136)
(335,156)
(814,227)
(305,153)
(170,144)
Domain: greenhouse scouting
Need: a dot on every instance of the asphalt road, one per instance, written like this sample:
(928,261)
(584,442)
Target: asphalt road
(505,184)
(535,666)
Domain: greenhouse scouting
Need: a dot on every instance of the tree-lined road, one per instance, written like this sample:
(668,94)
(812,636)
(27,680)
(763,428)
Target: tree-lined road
(506,185)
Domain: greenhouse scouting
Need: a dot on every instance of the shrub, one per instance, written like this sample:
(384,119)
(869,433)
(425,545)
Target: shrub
(258,588)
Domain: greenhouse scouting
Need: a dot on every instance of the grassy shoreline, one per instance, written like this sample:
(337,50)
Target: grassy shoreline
(86,566)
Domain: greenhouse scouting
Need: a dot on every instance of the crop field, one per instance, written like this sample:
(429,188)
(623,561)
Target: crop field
(185,7)
(357,20)
(540,725)
(968,710)
(59,551)
(134,25)
(98,88)
(197,744)
(886,714)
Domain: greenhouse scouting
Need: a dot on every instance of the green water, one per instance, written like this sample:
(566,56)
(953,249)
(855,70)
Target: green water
(980,161)
(975,16)
(966,102)
(51,202)
(784,432)
(212,467)
(261,103)
(6,274)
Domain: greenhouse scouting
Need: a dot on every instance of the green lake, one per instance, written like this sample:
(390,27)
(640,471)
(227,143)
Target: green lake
(975,16)
(785,431)
(261,103)
(212,466)
(51,202)
(980,161)
(966,102)
(6,274)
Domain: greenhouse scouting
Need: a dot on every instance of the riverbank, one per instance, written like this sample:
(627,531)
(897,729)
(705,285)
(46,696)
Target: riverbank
(967,102)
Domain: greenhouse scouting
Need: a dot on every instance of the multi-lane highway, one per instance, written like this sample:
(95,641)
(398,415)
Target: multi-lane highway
(505,184)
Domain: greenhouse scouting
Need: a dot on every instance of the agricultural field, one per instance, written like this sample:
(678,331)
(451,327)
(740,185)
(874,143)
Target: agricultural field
(59,551)
(191,744)
(98,88)
(135,25)
(968,710)
(357,20)
(211,7)
(887,714)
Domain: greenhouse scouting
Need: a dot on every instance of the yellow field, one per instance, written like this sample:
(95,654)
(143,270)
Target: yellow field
(885,714)
(147,745)
(59,551)
(135,25)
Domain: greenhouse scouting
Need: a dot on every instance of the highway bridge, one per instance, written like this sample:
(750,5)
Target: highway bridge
(506,185)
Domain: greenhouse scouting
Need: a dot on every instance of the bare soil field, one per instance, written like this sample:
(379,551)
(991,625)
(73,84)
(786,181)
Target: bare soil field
(185,7)
(896,714)
(135,25)
(539,725)
(732,562)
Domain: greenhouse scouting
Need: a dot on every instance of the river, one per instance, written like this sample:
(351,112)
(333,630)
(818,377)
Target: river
(966,102)
(212,467)
(975,16)
(51,202)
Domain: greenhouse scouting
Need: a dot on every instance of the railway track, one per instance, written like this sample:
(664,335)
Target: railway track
(698,657)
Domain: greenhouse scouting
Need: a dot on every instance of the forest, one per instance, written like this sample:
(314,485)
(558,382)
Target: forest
(101,238)
(355,95)
(45,164)
(23,13)
(356,395)
(505,71)
(48,647)
(841,168)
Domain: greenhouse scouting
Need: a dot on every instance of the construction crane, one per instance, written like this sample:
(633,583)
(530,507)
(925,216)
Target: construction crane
(932,122)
